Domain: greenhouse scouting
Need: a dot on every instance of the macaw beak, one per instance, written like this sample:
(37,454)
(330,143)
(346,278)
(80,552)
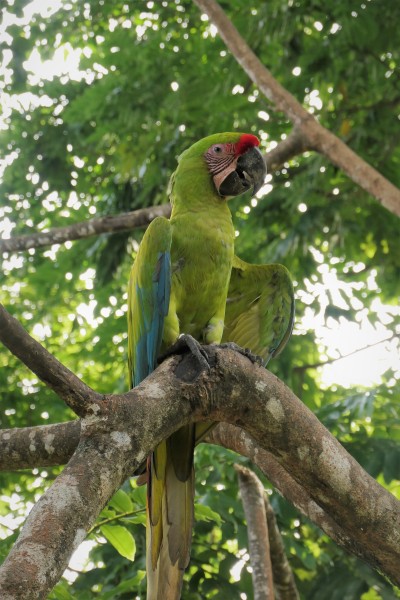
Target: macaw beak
(250,172)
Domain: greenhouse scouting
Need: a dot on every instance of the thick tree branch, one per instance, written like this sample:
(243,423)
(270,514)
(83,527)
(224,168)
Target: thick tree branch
(314,134)
(59,521)
(41,446)
(52,445)
(128,426)
(252,495)
(108,224)
(80,397)
(238,440)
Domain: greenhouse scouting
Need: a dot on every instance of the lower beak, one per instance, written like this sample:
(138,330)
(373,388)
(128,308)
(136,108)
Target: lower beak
(250,173)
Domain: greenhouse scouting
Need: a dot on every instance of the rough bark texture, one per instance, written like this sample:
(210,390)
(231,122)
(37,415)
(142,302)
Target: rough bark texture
(41,446)
(314,134)
(59,235)
(238,440)
(284,582)
(252,495)
(126,427)
(301,497)
(59,521)
(118,431)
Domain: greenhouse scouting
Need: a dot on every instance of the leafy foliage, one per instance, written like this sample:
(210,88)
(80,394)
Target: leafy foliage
(102,138)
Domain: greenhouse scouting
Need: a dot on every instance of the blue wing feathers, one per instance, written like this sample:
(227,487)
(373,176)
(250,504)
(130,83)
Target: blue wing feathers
(147,347)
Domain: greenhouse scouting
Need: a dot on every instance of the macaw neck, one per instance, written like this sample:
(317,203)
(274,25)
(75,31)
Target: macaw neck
(192,190)
(197,225)
(216,208)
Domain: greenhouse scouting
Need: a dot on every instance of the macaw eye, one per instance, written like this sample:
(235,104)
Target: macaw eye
(217,149)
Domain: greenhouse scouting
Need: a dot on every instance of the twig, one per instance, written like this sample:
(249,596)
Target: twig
(329,361)
(108,224)
(315,135)
(115,518)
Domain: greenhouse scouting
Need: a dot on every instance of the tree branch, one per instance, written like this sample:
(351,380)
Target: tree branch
(76,394)
(252,495)
(41,446)
(284,582)
(59,521)
(329,361)
(293,145)
(52,445)
(314,134)
(290,488)
(108,224)
(116,441)
(284,151)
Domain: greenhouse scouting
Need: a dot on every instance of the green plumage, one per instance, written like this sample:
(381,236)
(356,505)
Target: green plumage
(185,278)
(259,308)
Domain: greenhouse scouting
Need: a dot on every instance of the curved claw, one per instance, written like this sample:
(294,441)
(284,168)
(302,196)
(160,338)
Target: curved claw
(187,342)
(254,358)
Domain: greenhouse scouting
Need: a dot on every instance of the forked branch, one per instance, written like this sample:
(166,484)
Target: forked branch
(315,136)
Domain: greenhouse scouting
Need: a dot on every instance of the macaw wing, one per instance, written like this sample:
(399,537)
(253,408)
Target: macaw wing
(148,299)
(259,308)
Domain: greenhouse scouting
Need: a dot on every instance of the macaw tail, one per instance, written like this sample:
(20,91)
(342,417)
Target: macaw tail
(170,498)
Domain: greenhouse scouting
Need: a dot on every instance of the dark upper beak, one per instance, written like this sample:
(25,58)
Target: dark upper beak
(250,172)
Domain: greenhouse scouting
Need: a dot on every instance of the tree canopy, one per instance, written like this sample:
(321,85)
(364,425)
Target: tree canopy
(98,100)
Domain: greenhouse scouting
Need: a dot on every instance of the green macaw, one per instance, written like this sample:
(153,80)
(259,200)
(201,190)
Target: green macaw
(186,280)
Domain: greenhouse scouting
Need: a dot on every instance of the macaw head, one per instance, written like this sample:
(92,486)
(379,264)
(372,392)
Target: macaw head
(235,165)
(230,163)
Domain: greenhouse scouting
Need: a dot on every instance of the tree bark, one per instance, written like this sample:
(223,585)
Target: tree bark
(117,437)
(284,582)
(41,446)
(59,521)
(314,134)
(252,495)
(88,228)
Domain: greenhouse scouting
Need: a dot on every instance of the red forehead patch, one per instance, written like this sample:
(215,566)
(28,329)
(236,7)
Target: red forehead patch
(246,142)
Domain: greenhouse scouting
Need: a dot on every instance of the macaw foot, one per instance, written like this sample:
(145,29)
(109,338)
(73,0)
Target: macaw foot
(187,342)
(254,358)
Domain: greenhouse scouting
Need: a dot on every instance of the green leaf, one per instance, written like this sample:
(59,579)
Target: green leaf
(121,502)
(205,513)
(106,513)
(139,518)
(122,540)
(125,586)
(391,468)
(61,592)
(139,495)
